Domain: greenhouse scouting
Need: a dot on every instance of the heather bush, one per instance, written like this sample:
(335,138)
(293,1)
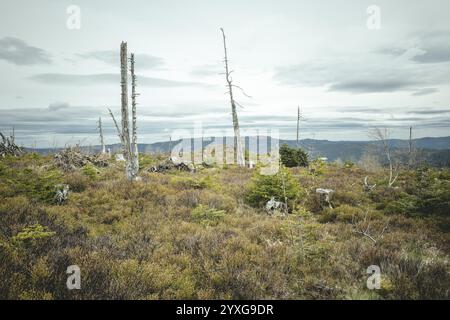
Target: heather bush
(202,235)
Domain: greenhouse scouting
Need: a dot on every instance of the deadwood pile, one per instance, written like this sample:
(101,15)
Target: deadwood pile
(8,147)
(73,157)
(169,164)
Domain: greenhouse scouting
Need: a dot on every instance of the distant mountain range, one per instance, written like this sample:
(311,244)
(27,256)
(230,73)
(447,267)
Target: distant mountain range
(434,150)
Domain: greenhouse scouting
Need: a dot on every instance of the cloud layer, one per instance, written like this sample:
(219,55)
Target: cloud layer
(111,57)
(62,79)
(18,52)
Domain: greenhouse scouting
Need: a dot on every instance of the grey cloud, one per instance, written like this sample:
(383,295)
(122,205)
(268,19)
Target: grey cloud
(360,110)
(346,76)
(430,112)
(207,70)
(108,79)
(66,122)
(58,106)
(372,86)
(18,52)
(425,91)
(143,61)
(423,47)
(433,55)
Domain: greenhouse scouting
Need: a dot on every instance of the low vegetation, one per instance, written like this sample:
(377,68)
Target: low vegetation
(206,235)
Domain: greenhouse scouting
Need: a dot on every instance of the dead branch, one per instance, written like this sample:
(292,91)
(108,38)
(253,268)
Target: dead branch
(368,187)
(117,126)
(363,228)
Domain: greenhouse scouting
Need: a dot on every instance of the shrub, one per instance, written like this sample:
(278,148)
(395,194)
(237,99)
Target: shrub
(293,157)
(317,167)
(207,216)
(77,181)
(433,191)
(91,171)
(33,232)
(35,183)
(280,185)
(349,164)
(195,183)
(346,214)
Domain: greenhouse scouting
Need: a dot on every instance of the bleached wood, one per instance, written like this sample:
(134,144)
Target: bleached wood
(238,149)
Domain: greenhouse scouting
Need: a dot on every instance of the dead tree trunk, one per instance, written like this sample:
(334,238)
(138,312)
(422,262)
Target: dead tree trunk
(238,150)
(102,141)
(298,123)
(134,94)
(124,108)
(410,155)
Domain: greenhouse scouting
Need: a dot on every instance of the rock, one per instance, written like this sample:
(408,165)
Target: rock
(325,195)
(273,205)
(119,157)
(62,193)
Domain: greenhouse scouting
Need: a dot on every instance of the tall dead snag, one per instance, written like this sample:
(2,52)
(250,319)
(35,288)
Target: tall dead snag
(134,146)
(100,129)
(238,149)
(412,151)
(129,149)
(124,110)
(298,123)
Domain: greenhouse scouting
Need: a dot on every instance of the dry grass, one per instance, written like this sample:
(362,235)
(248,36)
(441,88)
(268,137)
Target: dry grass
(154,239)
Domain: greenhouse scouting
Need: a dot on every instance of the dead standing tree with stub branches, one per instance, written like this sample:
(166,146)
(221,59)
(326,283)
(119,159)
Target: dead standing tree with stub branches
(238,147)
(129,144)
(102,140)
(134,94)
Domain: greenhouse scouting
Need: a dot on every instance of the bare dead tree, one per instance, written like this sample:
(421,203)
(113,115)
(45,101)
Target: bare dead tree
(100,129)
(299,117)
(298,122)
(124,109)
(134,94)
(238,148)
(129,146)
(412,152)
(382,135)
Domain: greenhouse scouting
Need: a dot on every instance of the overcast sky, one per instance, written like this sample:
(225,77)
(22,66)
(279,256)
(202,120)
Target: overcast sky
(55,82)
